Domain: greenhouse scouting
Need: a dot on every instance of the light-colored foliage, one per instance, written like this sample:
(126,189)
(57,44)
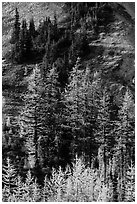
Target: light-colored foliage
(75,184)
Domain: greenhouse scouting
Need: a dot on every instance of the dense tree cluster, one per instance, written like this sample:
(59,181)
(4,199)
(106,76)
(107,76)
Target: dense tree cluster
(55,125)
(68,113)
(76,184)
(29,43)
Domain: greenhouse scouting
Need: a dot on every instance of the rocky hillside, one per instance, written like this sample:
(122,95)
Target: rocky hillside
(26,10)
(123,11)
(113,52)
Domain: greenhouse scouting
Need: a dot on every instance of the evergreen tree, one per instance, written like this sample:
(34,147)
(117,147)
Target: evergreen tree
(30,118)
(130,184)
(73,101)
(51,98)
(126,116)
(89,115)
(80,112)
(62,68)
(20,190)
(16,29)
(32,30)
(105,133)
(46,58)
(55,30)
(51,51)
(79,46)
(9,177)
(42,32)
(15,38)
(125,143)
(25,43)
(83,48)
(32,189)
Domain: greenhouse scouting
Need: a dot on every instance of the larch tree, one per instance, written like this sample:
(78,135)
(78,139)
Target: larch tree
(8,179)
(73,102)
(104,133)
(130,183)
(80,111)
(52,111)
(89,115)
(125,137)
(31,117)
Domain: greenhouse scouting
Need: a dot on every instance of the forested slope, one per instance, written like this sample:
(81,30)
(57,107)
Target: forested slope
(68,102)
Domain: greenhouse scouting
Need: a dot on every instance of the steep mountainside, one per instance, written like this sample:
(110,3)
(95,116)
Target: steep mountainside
(26,10)
(68,87)
(113,51)
(123,11)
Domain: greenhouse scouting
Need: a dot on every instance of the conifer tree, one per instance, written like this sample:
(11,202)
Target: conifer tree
(55,28)
(20,191)
(47,56)
(89,115)
(51,98)
(15,38)
(105,131)
(126,115)
(32,30)
(31,117)
(16,29)
(130,184)
(80,111)
(73,101)
(32,189)
(43,31)
(28,186)
(25,43)
(125,142)
(9,177)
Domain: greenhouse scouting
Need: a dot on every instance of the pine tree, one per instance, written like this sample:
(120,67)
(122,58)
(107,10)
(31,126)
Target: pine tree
(125,142)
(32,30)
(9,177)
(51,98)
(126,116)
(55,28)
(89,115)
(25,43)
(62,68)
(31,38)
(42,33)
(130,184)
(47,57)
(72,96)
(28,186)
(41,119)
(21,191)
(32,190)
(83,48)
(16,29)
(80,112)
(31,117)
(105,132)
(15,38)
